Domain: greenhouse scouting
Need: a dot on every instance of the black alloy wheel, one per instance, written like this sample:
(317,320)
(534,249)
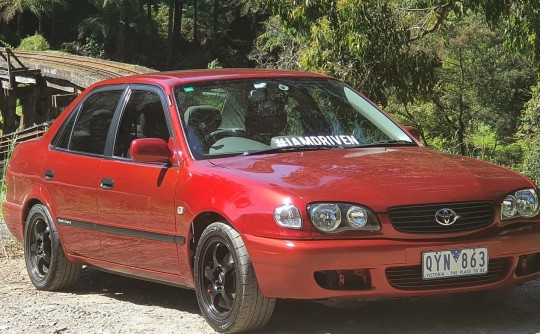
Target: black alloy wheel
(227,290)
(47,266)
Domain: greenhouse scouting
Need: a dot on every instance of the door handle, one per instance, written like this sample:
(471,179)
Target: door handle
(107,183)
(49,174)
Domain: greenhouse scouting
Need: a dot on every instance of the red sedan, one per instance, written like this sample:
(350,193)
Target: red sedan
(252,185)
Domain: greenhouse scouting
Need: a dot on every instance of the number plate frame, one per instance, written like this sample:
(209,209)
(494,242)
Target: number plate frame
(448,263)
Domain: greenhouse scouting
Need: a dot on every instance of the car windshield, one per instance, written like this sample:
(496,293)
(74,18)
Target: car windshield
(271,115)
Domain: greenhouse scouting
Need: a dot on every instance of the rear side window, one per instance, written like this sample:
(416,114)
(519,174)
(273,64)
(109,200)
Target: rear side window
(89,133)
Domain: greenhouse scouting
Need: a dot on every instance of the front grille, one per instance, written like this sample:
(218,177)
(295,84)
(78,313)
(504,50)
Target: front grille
(421,218)
(410,278)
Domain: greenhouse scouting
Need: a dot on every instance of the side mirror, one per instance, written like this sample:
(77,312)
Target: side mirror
(152,150)
(413,132)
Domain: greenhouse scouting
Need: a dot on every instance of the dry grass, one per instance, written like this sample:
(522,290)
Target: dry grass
(11,248)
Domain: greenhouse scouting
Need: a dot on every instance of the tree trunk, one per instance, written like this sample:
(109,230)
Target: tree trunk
(177,26)
(149,9)
(53,32)
(120,47)
(20,25)
(41,19)
(461,123)
(195,22)
(170,32)
(215,20)
(8,105)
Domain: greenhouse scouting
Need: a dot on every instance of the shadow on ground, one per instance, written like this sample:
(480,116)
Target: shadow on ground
(520,314)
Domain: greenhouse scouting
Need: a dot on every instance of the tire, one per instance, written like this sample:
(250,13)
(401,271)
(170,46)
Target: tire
(225,283)
(46,263)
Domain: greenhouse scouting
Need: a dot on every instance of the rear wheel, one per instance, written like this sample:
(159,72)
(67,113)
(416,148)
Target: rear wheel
(46,263)
(227,289)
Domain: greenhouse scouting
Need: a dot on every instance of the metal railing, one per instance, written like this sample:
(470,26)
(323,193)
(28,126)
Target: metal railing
(8,141)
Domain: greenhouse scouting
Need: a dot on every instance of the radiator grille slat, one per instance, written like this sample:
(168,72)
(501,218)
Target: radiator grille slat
(421,218)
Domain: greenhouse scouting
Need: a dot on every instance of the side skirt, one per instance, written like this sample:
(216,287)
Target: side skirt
(137,273)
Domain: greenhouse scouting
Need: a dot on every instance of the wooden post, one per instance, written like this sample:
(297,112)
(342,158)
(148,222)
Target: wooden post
(8,105)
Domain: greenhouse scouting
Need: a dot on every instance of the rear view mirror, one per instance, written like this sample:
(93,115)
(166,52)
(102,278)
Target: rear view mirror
(152,150)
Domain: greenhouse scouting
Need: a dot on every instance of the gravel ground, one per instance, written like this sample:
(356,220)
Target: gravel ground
(105,303)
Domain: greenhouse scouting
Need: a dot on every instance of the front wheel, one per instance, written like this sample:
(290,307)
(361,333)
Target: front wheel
(46,263)
(227,289)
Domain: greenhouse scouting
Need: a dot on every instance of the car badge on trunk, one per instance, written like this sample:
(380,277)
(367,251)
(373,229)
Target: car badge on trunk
(446,217)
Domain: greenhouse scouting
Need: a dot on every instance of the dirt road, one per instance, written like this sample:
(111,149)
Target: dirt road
(105,303)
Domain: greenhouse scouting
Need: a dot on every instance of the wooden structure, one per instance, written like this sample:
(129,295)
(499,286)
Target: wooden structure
(37,86)
(21,88)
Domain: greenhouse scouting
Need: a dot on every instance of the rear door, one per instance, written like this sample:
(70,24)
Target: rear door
(71,171)
(136,200)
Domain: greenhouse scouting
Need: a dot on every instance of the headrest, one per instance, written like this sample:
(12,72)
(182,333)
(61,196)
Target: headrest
(101,120)
(203,118)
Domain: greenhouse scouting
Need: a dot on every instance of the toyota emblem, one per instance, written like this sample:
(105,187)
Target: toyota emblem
(446,217)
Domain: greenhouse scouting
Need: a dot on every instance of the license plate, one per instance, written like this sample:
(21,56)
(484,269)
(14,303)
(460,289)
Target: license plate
(455,263)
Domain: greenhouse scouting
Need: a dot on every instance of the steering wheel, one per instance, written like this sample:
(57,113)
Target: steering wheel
(224,133)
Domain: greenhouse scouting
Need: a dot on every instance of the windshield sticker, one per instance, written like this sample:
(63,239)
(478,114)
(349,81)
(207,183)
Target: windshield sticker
(260,85)
(189,89)
(314,141)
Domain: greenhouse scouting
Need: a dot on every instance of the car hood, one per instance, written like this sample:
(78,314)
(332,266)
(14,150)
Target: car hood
(379,177)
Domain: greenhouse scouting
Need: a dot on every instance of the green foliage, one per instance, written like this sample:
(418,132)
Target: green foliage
(531,161)
(34,43)
(276,47)
(530,118)
(214,64)
(92,48)
(6,44)
(3,184)
(366,43)
(475,107)
(11,8)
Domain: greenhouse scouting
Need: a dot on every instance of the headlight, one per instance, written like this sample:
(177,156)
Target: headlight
(339,217)
(326,217)
(522,203)
(288,216)
(527,202)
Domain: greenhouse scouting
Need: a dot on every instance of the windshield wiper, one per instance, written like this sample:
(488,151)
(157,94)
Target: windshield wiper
(388,142)
(293,149)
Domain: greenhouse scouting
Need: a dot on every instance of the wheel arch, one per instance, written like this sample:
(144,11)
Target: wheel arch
(199,224)
(37,194)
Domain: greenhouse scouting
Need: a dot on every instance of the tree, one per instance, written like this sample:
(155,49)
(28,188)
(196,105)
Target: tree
(10,9)
(120,25)
(366,43)
(481,90)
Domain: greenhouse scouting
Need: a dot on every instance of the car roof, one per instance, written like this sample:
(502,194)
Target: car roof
(174,78)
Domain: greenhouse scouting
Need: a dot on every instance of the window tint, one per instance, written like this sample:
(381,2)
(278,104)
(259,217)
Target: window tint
(143,117)
(92,126)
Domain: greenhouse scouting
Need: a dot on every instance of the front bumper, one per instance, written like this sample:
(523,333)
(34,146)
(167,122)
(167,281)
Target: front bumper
(286,268)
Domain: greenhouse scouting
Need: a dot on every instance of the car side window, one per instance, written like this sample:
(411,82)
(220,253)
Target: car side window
(90,130)
(143,117)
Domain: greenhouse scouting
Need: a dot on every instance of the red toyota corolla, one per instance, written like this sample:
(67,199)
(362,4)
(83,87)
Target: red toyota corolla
(252,185)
